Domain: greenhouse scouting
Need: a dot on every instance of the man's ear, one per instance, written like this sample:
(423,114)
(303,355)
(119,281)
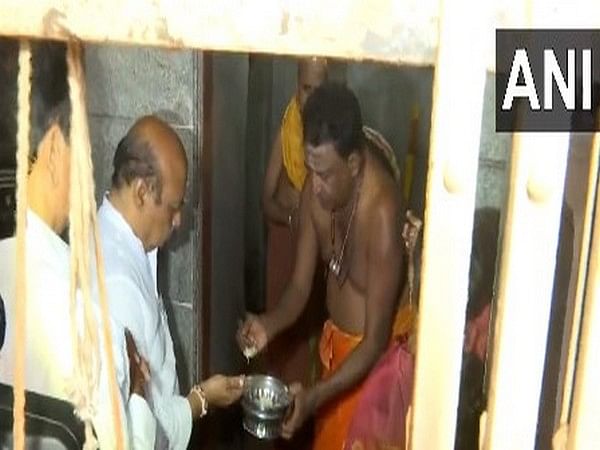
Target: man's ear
(354,162)
(139,192)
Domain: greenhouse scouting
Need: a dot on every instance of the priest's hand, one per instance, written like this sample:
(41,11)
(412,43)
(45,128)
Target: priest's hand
(304,405)
(252,335)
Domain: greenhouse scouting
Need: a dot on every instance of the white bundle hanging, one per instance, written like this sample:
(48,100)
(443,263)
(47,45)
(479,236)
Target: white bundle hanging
(83,231)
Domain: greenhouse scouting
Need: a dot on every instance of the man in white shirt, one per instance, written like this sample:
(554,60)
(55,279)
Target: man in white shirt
(48,351)
(137,216)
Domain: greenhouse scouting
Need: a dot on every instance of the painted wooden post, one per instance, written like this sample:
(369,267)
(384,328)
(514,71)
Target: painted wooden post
(450,200)
(528,258)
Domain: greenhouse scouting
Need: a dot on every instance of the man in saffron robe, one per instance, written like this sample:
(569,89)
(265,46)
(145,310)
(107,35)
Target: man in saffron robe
(350,217)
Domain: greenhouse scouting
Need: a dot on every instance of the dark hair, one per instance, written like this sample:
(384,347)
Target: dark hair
(135,159)
(50,101)
(332,114)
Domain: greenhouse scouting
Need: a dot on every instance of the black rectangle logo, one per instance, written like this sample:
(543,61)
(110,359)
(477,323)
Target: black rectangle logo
(547,80)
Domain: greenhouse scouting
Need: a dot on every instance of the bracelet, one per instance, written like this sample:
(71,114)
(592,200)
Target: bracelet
(202,396)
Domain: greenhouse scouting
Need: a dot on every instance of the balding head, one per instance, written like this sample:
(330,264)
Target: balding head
(150,164)
(312,72)
(149,149)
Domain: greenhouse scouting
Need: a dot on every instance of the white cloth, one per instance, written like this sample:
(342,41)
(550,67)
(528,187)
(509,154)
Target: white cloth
(135,305)
(48,353)
(153,258)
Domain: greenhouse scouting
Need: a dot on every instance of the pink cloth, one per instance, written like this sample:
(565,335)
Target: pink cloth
(380,418)
(476,333)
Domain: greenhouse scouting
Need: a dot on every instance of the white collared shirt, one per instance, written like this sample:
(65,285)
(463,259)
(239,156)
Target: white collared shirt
(135,305)
(48,351)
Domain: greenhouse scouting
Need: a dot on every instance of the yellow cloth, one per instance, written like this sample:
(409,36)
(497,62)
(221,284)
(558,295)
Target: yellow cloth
(292,146)
(404,321)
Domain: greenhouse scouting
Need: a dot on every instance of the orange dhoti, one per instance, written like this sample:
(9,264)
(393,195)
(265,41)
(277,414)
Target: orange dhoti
(334,420)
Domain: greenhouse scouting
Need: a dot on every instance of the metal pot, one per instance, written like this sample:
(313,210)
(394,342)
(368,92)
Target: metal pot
(265,403)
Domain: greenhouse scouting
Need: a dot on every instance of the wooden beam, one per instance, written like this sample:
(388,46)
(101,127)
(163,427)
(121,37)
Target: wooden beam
(385,30)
